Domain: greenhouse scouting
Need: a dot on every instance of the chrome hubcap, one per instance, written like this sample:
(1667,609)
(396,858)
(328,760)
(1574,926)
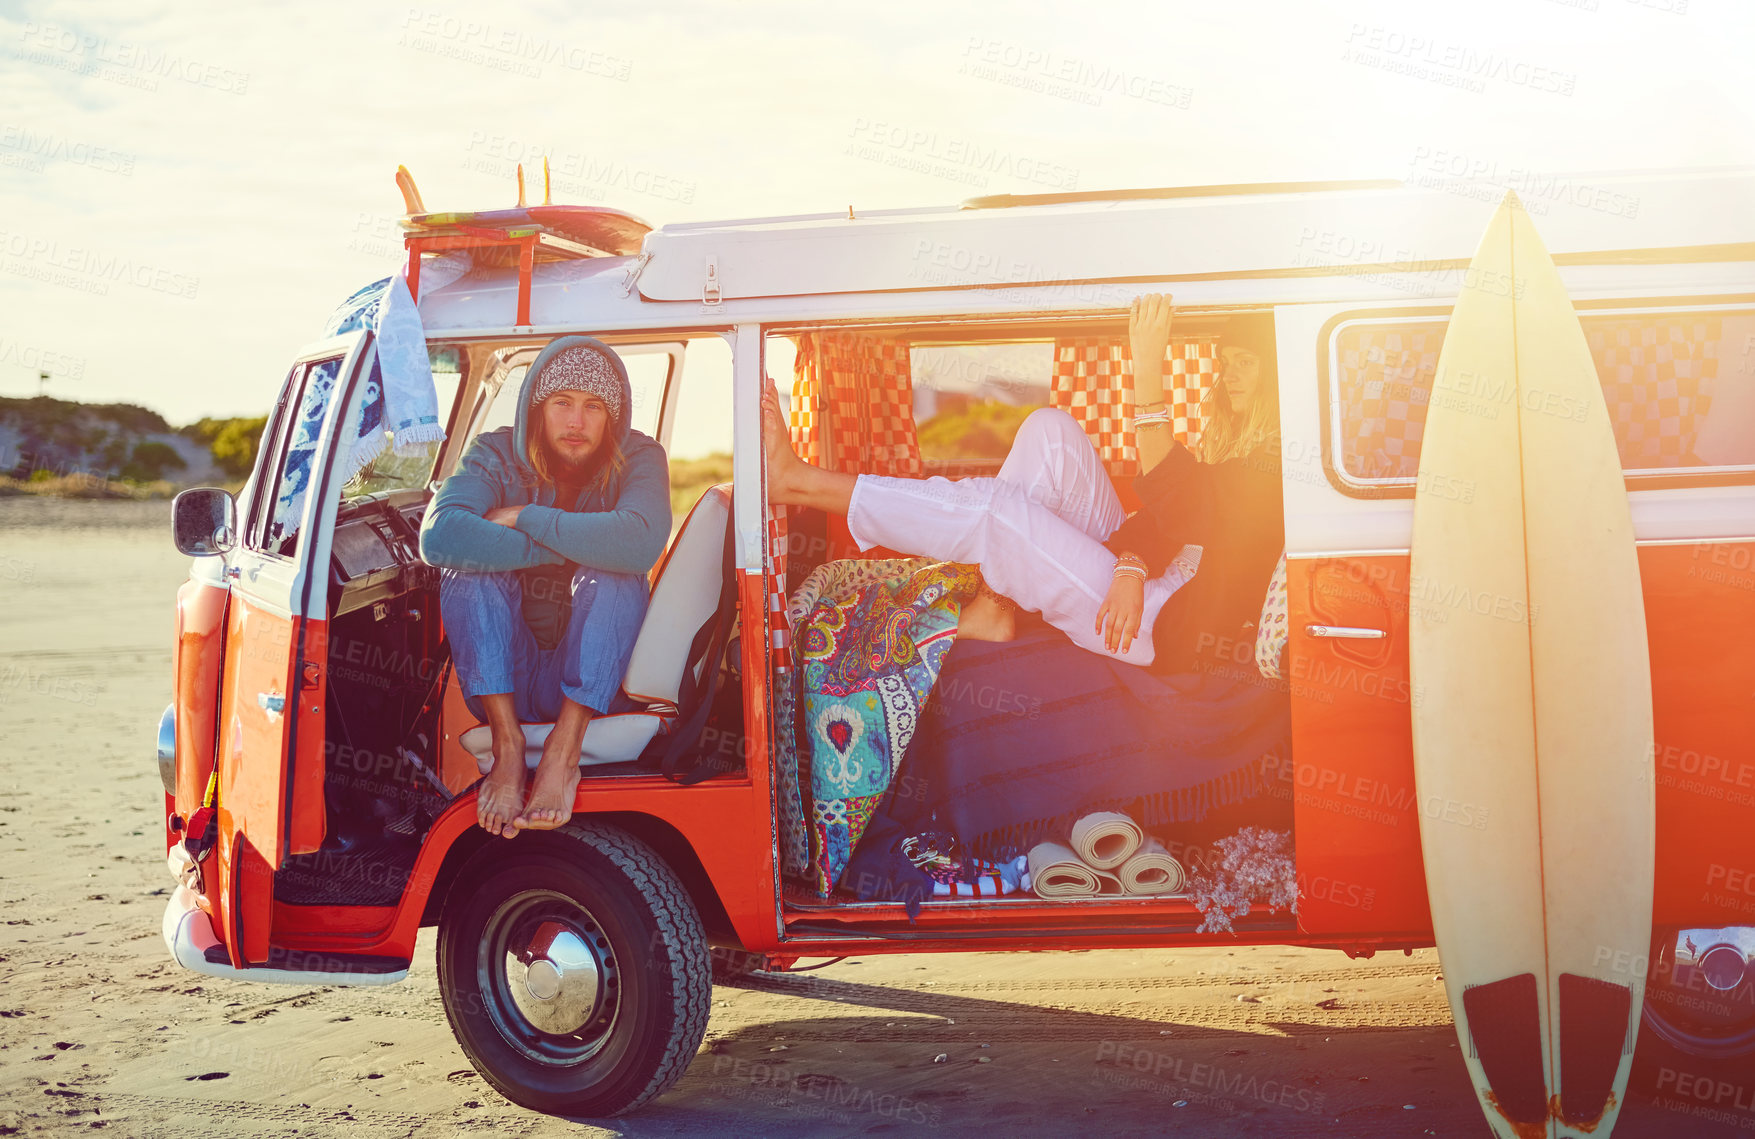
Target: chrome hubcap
(1722,967)
(562,979)
(551,977)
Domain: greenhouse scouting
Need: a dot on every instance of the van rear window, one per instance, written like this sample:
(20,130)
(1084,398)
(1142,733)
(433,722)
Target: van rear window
(1679,385)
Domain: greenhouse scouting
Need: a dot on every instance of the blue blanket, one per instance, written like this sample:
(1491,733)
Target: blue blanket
(1020,739)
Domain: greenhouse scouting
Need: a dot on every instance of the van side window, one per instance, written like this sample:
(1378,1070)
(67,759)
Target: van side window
(648,373)
(1383,380)
(280,505)
(1679,385)
(502,411)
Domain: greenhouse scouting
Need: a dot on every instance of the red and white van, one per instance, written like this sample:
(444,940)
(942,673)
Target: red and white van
(318,722)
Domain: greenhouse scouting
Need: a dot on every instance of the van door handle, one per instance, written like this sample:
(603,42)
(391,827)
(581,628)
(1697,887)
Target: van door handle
(1345,632)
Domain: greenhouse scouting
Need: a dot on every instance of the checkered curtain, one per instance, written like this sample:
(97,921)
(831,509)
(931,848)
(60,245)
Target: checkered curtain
(853,411)
(1093,381)
(860,382)
(1657,375)
(1384,381)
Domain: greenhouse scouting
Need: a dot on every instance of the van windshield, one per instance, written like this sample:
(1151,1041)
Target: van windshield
(390,471)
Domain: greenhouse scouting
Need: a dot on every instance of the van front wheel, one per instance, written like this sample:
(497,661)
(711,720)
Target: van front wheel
(574,970)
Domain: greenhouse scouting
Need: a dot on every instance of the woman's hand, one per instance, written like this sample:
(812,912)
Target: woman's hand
(1118,621)
(504,516)
(1148,326)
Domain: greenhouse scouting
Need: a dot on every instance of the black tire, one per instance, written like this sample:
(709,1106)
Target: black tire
(574,970)
(1690,1030)
(1668,1044)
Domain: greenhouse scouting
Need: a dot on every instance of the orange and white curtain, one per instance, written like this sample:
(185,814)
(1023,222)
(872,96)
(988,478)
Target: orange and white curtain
(1385,379)
(1657,375)
(1093,382)
(858,382)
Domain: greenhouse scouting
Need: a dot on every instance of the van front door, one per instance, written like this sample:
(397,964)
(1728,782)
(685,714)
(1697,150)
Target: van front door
(270,756)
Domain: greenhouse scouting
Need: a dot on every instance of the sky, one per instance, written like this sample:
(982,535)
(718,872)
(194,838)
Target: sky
(187,190)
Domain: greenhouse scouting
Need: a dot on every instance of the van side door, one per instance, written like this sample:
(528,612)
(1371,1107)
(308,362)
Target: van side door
(271,710)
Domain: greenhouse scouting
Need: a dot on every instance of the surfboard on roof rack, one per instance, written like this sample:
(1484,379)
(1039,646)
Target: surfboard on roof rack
(520,235)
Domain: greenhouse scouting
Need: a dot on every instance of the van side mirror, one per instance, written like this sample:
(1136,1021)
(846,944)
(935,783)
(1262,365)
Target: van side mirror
(204,522)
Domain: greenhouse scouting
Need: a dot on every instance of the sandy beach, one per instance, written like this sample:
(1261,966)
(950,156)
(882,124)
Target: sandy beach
(100,1031)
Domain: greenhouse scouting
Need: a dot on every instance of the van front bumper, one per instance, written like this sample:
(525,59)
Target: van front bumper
(189,936)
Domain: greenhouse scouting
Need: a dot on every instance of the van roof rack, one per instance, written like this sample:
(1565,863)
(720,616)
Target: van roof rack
(522,235)
(1151,193)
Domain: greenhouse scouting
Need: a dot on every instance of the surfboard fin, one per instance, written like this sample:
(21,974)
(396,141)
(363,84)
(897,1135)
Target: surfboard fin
(520,185)
(547,200)
(411,202)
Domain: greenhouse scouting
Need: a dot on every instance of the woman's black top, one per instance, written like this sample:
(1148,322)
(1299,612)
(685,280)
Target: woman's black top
(1232,510)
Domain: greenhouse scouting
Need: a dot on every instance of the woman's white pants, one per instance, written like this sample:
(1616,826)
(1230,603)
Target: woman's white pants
(1036,530)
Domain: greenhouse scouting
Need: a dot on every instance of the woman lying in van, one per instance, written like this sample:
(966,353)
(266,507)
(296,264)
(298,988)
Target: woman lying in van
(1050,534)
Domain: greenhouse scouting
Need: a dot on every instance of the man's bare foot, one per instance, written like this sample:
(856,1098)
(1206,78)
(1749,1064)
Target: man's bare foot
(551,792)
(501,795)
(986,618)
(783,461)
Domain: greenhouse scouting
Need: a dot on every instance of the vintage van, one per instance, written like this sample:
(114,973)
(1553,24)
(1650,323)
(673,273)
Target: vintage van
(318,761)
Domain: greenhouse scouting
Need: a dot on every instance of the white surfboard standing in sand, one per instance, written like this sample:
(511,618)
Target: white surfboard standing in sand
(1536,704)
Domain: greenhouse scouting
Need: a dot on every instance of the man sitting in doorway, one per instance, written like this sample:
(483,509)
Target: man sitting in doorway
(545,535)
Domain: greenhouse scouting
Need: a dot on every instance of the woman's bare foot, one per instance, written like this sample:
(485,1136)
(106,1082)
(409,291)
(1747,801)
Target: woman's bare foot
(986,618)
(501,795)
(791,480)
(783,462)
(551,793)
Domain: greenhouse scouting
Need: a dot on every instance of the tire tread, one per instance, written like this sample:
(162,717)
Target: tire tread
(679,927)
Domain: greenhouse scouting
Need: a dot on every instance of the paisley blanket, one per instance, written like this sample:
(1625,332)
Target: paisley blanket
(868,637)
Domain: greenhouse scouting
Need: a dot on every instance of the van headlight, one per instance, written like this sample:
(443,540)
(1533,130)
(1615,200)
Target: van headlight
(167,749)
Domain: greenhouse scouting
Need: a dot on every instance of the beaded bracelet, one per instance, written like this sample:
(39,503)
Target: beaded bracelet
(1146,419)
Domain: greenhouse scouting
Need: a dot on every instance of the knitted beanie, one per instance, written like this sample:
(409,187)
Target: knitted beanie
(580,370)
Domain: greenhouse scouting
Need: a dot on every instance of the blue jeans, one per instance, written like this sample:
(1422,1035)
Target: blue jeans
(494,650)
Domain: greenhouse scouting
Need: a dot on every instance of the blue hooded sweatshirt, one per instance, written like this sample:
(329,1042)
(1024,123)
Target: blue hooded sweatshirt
(623,528)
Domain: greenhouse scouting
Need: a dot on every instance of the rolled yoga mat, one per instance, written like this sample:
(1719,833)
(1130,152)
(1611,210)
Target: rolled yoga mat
(1056,872)
(1151,871)
(1106,839)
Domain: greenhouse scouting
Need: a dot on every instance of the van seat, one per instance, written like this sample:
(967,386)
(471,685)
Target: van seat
(685,595)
